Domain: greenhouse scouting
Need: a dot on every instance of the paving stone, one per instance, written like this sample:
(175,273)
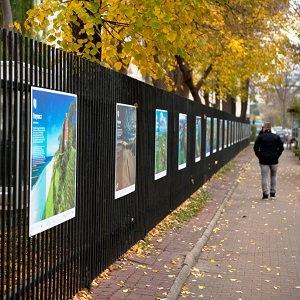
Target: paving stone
(252,253)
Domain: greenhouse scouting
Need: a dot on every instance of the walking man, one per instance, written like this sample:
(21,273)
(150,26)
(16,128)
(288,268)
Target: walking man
(268,147)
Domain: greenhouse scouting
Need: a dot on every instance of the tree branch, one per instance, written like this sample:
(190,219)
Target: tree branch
(187,76)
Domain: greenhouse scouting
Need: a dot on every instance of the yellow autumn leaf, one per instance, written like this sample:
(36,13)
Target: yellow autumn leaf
(172,36)
(122,283)
(212,260)
(118,66)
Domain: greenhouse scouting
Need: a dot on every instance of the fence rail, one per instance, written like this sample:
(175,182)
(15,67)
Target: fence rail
(61,260)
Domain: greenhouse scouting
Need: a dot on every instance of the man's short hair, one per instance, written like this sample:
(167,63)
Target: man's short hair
(267,125)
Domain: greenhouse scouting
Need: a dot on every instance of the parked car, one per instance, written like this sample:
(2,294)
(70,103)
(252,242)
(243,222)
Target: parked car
(278,128)
(284,135)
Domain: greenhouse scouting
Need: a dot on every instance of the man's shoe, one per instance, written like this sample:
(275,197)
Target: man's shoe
(265,197)
(272,196)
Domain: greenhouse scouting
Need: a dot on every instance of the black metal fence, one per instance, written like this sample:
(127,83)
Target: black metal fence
(58,262)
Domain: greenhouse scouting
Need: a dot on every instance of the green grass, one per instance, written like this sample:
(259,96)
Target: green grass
(223,171)
(193,206)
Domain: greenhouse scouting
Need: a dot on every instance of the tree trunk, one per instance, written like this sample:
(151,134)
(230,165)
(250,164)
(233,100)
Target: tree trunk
(229,105)
(188,77)
(7,13)
(218,101)
(244,99)
(244,110)
(206,98)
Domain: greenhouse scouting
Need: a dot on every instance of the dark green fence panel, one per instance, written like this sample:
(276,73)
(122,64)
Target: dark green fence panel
(66,258)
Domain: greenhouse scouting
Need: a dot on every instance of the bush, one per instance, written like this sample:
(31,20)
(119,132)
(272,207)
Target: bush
(297,152)
(253,133)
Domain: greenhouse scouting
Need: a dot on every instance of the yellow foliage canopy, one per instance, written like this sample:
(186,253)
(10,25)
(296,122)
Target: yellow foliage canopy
(239,38)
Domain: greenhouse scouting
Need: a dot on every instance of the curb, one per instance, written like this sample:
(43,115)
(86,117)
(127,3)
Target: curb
(193,256)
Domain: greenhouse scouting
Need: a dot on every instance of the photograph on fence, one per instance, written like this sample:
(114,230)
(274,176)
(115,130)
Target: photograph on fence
(161,143)
(220,133)
(182,141)
(53,159)
(125,155)
(225,133)
(233,132)
(198,139)
(208,130)
(229,133)
(215,135)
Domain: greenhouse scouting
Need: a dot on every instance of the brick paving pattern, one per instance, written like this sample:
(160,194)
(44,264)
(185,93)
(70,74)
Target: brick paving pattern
(252,253)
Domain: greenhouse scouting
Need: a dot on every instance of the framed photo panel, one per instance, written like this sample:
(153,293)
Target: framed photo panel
(161,143)
(125,155)
(220,133)
(208,132)
(182,141)
(215,135)
(53,159)
(198,139)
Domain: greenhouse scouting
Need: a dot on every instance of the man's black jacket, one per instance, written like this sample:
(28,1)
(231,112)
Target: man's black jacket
(268,147)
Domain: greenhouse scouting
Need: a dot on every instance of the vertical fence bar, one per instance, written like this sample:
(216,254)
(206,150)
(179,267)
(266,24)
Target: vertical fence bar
(21,186)
(3,122)
(69,249)
(47,247)
(15,163)
(75,229)
(10,166)
(64,225)
(95,99)
(80,175)
(26,242)
(45,234)
(52,237)
(32,251)
(88,177)
(58,230)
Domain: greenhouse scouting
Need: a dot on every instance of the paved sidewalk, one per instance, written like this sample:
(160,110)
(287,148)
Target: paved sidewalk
(254,252)
(251,254)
